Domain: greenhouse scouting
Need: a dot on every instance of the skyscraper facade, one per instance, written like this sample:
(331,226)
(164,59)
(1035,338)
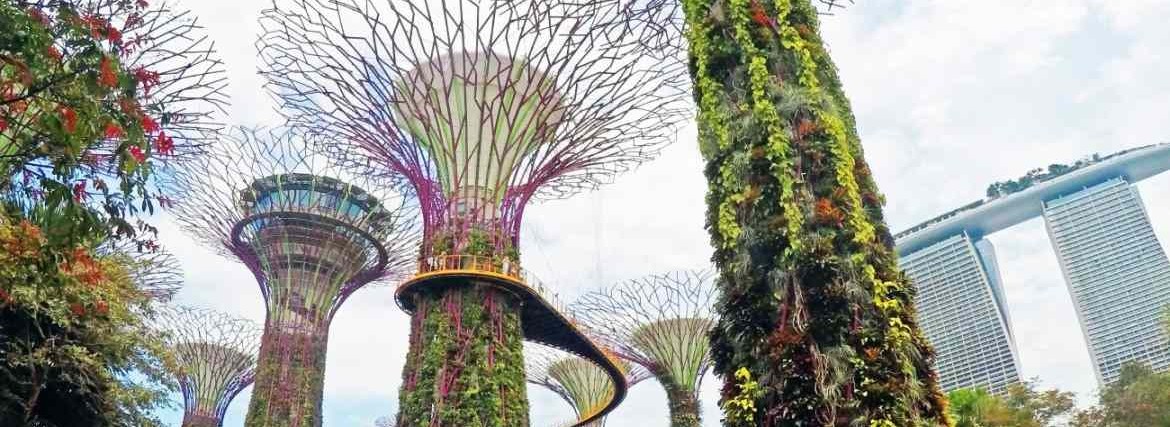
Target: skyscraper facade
(962,312)
(1116,271)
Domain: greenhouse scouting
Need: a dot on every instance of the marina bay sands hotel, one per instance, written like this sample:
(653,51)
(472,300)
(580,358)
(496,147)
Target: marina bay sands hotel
(1115,269)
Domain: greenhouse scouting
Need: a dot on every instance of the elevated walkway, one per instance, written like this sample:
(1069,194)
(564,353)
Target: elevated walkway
(542,318)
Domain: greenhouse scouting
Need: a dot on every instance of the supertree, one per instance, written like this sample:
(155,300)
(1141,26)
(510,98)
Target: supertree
(310,234)
(817,324)
(477,107)
(660,323)
(155,271)
(580,382)
(215,359)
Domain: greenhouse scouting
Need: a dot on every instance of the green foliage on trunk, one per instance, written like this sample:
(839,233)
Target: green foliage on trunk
(290,379)
(812,304)
(465,366)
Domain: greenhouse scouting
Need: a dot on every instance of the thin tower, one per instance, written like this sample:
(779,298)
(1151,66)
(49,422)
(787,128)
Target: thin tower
(215,357)
(310,234)
(660,323)
(477,108)
(578,381)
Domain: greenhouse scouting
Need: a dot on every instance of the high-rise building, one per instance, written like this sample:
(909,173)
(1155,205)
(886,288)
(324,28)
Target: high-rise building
(1117,273)
(1115,269)
(962,312)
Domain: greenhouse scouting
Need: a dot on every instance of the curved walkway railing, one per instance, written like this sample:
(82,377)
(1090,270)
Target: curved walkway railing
(543,318)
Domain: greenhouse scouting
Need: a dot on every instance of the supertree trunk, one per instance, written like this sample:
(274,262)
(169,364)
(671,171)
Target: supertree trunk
(192,420)
(465,366)
(684,404)
(290,379)
(817,324)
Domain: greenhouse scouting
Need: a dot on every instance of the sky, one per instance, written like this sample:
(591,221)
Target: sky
(949,97)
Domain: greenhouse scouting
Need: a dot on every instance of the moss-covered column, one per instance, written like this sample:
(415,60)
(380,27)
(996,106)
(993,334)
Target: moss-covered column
(465,365)
(817,325)
(683,403)
(290,377)
(195,420)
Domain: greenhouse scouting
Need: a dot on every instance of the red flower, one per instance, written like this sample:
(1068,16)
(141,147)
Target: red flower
(113,131)
(148,79)
(109,78)
(142,3)
(38,16)
(149,125)
(77,309)
(164,144)
(137,154)
(760,16)
(96,25)
(69,119)
(102,308)
(4,296)
(113,35)
(54,53)
(79,191)
(3,124)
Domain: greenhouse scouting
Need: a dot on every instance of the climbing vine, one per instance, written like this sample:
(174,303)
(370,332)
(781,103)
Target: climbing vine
(465,365)
(816,317)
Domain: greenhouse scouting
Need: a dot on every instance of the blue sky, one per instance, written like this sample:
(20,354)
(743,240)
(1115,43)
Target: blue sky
(949,95)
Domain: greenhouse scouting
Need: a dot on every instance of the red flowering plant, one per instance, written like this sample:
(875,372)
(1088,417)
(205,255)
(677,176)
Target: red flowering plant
(72,323)
(100,91)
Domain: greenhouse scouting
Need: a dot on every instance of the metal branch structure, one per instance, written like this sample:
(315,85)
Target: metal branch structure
(155,271)
(660,323)
(215,358)
(477,107)
(580,382)
(311,234)
(181,81)
(185,81)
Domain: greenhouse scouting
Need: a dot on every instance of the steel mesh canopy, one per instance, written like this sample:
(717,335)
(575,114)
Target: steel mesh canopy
(155,272)
(188,94)
(311,233)
(477,106)
(215,356)
(659,322)
(578,381)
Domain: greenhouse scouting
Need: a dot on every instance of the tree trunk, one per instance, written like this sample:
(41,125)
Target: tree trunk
(465,366)
(814,313)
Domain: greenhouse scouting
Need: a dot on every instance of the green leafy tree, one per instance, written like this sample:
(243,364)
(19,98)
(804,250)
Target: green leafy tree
(813,306)
(1021,406)
(1139,398)
(90,92)
(72,335)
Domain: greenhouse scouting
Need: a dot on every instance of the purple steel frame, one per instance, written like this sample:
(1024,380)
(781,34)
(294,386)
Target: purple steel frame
(154,271)
(581,383)
(476,106)
(310,239)
(215,356)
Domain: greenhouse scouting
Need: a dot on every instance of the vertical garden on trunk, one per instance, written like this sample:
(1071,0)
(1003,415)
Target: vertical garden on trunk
(817,323)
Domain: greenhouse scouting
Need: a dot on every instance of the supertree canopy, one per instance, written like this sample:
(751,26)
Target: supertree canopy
(311,235)
(155,271)
(660,323)
(578,381)
(215,358)
(477,107)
